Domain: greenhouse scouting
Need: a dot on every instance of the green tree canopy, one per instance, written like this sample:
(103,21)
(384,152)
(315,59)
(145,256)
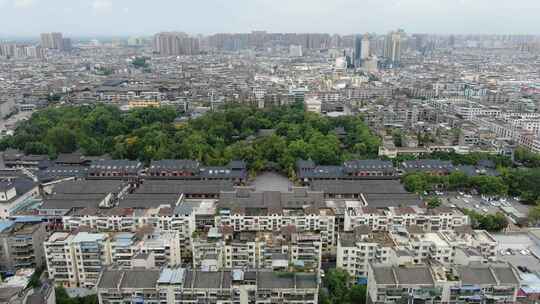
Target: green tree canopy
(434,202)
(214,138)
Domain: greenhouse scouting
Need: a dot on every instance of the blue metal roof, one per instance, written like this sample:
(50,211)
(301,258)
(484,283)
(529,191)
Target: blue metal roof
(171,276)
(28,219)
(5,224)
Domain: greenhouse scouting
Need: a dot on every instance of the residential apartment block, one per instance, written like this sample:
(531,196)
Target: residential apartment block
(185,286)
(247,210)
(21,244)
(392,218)
(280,250)
(76,259)
(476,283)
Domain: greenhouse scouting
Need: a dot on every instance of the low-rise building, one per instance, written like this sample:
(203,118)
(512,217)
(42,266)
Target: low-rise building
(471,244)
(477,283)
(394,218)
(185,286)
(429,166)
(15,194)
(307,171)
(182,169)
(80,194)
(115,169)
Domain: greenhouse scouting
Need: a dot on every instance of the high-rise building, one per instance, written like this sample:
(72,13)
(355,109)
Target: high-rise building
(175,43)
(34,52)
(295,51)
(357,50)
(21,51)
(361,49)
(52,41)
(66,44)
(392,47)
(364,50)
(135,41)
(46,40)
(452,41)
(7,49)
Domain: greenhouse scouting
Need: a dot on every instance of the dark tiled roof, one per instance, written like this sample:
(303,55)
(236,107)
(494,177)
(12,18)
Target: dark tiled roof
(22,186)
(427,165)
(414,275)
(368,164)
(60,172)
(384,275)
(209,279)
(273,280)
(505,275)
(476,275)
(358,186)
(71,158)
(247,198)
(174,165)
(141,201)
(89,187)
(5,186)
(129,278)
(70,201)
(323,172)
(184,186)
(380,200)
(116,165)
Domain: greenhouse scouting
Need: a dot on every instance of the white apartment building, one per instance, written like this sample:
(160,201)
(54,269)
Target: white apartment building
(355,250)
(392,218)
(186,286)
(464,108)
(320,220)
(358,248)
(425,246)
(313,105)
(182,222)
(76,260)
(474,283)
(472,244)
(225,249)
(164,246)
(524,128)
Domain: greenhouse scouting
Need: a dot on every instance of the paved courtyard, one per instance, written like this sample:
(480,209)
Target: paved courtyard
(271,181)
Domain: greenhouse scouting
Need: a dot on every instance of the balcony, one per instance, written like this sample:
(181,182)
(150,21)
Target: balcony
(21,245)
(427,293)
(95,257)
(395,293)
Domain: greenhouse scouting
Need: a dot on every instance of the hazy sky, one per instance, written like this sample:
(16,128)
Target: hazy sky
(116,17)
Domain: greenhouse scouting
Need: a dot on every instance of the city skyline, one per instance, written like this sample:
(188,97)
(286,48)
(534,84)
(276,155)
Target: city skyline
(122,17)
(269,152)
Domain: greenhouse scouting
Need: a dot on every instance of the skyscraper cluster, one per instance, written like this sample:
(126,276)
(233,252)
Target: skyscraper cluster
(392,47)
(175,43)
(263,39)
(21,51)
(361,49)
(55,41)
